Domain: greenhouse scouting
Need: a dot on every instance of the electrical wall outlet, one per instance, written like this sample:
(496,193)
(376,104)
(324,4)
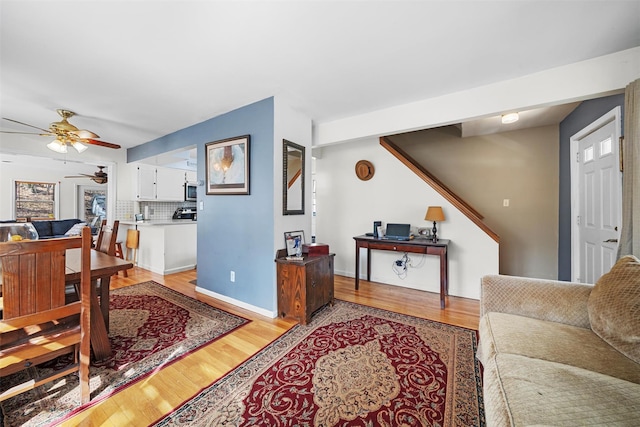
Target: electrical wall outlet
(232,276)
(505,203)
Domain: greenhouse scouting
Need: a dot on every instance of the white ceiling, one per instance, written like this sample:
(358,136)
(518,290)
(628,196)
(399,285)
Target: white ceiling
(69,166)
(138,70)
(527,119)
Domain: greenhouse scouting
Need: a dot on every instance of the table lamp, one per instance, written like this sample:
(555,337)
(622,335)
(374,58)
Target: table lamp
(434,213)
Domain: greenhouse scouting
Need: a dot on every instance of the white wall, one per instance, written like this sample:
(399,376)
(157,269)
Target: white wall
(521,166)
(347,207)
(575,82)
(295,127)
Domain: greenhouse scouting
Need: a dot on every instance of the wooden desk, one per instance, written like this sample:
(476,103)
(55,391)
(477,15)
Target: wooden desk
(103,266)
(416,246)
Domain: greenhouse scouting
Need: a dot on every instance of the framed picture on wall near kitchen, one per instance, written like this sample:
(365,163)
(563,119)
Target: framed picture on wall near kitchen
(227,165)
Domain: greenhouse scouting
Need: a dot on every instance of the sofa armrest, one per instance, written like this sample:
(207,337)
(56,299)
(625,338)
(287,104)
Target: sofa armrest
(556,301)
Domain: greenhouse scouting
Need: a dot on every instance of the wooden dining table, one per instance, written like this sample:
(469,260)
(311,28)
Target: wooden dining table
(103,266)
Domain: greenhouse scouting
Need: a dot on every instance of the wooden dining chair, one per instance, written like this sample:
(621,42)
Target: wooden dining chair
(133,243)
(37,323)
(107,237)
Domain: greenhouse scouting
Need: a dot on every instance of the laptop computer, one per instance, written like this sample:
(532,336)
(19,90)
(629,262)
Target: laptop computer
(398,232)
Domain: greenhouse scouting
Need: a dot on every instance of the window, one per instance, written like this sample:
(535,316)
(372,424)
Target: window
(35,200)
(588,154)
(605,147)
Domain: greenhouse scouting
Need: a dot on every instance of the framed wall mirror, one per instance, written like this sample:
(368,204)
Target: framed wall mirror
(292,178)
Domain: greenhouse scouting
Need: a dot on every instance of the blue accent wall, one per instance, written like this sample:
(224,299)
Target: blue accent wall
(586,113)
(235,232)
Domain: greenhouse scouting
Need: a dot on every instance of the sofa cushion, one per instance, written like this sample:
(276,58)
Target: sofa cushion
(43,228)
(61,226)
(552,300)
(554,342)
(614,307)
(524,391)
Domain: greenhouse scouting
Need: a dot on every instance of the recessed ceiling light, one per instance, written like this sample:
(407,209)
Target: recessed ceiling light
(510,118)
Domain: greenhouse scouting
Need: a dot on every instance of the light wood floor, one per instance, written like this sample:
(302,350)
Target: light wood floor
(146,401)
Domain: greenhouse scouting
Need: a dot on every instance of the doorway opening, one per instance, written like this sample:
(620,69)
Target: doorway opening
(92,204)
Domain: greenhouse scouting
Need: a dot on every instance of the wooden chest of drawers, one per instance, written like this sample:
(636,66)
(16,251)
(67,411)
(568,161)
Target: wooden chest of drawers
(304,286)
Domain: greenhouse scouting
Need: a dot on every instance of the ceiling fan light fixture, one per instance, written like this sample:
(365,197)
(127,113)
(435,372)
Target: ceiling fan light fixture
(80,147)
(57,146)
(510,118)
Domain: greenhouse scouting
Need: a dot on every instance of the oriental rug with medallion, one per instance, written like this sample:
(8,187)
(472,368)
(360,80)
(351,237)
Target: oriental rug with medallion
(351,366)
(150,327)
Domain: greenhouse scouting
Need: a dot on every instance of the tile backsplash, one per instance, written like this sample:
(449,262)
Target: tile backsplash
(125,209)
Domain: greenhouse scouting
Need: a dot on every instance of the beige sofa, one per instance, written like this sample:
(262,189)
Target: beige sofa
(559,353)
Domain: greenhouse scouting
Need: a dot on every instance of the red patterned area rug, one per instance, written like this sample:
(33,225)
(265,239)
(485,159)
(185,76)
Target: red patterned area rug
(151,326)
(351,366)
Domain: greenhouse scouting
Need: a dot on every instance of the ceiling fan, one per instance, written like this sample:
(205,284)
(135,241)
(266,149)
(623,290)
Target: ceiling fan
(99,177)
(65,134)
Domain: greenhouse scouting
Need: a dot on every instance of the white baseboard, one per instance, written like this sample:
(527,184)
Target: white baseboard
(237,303)
(169,271)
(179,269)
(150,268)
(344,273)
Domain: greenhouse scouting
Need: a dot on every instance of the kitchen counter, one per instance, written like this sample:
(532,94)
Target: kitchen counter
(166,245)
(157,222)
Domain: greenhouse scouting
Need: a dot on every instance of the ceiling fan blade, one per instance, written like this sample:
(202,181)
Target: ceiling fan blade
(28,133)
(101,143)
(25,124)
(84,134)
(80,176)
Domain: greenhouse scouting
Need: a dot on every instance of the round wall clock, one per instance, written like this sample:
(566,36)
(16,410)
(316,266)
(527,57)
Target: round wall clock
(364,170)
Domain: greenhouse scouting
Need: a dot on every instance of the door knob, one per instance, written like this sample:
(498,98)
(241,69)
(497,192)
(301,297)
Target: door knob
(611,241)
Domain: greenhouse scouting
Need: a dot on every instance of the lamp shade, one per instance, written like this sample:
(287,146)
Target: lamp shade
(80,147)
(57,146)
(434,213)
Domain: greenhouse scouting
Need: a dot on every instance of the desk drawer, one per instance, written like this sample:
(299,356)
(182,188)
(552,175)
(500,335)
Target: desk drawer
(398,247)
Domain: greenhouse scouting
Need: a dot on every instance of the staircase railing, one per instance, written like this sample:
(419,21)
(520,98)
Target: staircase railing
(442,189)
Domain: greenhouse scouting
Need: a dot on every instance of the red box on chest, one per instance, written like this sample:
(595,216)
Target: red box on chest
(312,249)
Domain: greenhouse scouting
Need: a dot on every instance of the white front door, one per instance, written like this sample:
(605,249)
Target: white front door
(598,198)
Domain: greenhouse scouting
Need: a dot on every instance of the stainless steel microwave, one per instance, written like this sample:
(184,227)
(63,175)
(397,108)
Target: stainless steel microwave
(190,192)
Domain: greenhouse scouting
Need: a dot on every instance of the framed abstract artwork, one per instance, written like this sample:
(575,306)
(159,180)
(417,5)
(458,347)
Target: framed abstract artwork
(228,166)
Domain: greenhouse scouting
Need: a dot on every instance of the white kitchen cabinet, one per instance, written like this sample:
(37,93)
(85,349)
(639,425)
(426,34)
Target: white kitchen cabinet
(153,183)
(192,176)
(165,248)
(145,182)
(169,185)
